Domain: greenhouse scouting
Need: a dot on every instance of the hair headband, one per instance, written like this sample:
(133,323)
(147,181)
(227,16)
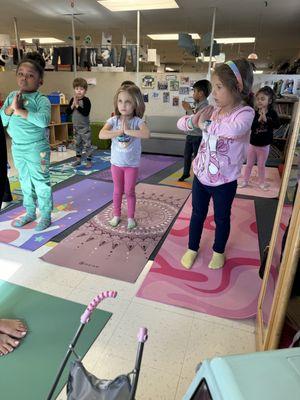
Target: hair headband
(237,74)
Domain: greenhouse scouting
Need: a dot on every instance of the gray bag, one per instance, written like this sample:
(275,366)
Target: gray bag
(82,385)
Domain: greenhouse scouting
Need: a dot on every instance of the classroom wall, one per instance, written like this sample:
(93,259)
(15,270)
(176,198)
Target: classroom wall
(107,83)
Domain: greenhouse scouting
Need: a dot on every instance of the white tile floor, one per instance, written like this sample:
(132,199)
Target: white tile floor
(178,339)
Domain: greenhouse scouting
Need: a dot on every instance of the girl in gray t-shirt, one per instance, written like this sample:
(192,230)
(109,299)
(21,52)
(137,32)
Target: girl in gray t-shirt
(125,129)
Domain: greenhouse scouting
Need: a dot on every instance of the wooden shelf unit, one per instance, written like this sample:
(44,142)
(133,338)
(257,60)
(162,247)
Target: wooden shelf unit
(59,131)
(286,109)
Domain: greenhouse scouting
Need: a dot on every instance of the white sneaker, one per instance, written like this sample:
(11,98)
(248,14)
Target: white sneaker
(5,204)
(242,184)
(263,186)
(114,221)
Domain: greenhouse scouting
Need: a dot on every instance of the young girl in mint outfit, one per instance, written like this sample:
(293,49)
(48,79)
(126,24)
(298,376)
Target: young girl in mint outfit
(226,132)
(27,113)
(125,129)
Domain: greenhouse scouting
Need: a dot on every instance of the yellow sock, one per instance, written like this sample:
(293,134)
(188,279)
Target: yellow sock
(217,261)
(188,258)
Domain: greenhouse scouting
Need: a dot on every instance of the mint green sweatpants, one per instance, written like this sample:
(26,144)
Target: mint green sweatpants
(32,162)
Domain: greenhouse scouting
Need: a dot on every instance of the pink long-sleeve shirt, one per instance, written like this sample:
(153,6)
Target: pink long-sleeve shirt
(224,144)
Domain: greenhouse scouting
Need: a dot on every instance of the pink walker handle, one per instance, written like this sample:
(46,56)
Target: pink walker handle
(94,303)
(142,335)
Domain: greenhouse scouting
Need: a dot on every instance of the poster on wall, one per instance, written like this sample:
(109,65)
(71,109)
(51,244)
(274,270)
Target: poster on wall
(184,80)
(184,90)
(155,95)
(175,101)
(174,86)
(148,82)
(171,77)
(162,85)
(106,40)
(166,97)
(146,97)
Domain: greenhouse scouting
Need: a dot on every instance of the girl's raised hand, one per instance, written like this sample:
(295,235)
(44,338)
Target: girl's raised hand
(17,102)
(262,116)
(124,123)
(195,118)
(205,114)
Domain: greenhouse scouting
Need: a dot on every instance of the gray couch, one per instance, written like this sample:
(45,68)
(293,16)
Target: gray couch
(165,137)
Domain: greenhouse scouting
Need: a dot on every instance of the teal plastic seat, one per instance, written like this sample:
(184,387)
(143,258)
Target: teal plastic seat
(270,375)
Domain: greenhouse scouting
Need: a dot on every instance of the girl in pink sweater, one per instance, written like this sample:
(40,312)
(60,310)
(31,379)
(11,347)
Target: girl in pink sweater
(226,132)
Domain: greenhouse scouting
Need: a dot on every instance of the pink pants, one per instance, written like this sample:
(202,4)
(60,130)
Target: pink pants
(124,179)
(259,154)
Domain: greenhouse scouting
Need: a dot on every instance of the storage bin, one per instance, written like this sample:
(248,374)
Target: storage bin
(63,117)
(54,98)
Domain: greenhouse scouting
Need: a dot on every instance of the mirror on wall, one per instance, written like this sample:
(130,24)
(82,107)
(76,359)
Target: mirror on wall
(274,272)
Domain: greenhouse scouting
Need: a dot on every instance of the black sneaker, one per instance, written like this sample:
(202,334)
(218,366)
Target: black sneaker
(183,178)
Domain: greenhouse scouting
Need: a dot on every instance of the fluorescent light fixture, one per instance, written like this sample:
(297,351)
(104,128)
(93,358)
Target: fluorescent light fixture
(235,40)
(206,59)
(170,36)
(253,56)
(169,69)
(134,5)
(44,40)
(258,71)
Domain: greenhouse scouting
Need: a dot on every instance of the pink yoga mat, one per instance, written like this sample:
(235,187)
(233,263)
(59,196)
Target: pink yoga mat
(230,292)
(99,249)
(273,182)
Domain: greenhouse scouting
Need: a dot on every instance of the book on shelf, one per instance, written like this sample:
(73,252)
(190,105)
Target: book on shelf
(281,132)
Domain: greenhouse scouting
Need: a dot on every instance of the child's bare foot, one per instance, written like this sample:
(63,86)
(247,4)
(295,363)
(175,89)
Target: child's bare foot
(13,327)
(7,344)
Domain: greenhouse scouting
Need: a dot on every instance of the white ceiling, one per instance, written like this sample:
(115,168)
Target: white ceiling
(276,25)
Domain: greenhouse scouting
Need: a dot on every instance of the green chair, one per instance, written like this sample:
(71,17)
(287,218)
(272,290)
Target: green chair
(103,144)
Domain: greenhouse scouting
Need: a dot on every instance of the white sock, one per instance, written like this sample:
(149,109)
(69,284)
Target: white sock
(131,223)
(114,221)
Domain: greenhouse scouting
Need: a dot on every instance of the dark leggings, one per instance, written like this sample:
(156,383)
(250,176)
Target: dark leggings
(3,163)
(222,196)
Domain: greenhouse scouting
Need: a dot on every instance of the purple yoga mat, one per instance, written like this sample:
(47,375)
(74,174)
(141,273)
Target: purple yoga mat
(150,165)
(71,204)
(99,249)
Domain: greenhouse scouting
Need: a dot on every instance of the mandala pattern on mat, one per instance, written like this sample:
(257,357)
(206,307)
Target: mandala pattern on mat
(154,213)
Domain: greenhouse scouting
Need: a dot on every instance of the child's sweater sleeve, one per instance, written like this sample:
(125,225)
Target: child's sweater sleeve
(5,118)
(235,129)
(69,109)
(182,123)
(85,110)
(273,119)
(42,116)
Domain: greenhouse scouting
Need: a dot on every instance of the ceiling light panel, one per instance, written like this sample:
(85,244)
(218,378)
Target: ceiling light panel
(134,5)
(235,40)
(43,40)
(171,36)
